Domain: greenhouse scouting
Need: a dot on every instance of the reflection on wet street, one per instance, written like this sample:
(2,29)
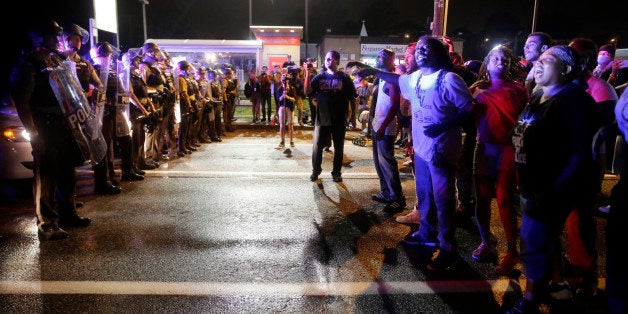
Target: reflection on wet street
(236,227)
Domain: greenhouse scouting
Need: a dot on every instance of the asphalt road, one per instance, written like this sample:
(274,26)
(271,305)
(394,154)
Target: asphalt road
(237,227)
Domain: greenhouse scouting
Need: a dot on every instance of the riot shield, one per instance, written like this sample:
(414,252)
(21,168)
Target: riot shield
(101,92)
(75,107)
(123,123)
(177,97)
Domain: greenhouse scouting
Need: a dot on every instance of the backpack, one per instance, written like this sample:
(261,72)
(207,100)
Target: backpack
(248,90)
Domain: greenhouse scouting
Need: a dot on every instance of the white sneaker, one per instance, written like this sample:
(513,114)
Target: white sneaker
(605,209)
(410,218)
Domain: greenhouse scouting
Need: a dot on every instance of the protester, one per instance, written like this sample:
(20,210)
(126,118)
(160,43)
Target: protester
(500,96)
(364,88)
(406,123)
(616,258)
(552,139)
(581,224)
(333,92)
(440,101)
(253,88)
(384,134)
(535,45)
(286,98)
(265,94)
(605,57)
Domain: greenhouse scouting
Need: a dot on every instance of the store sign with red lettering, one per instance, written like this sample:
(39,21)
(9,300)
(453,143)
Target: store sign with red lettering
(280,40)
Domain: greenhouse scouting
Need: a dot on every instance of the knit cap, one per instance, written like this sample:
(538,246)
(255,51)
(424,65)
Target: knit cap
(608,48)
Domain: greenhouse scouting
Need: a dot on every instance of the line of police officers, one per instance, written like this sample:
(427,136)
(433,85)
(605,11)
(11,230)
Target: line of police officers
(131,103)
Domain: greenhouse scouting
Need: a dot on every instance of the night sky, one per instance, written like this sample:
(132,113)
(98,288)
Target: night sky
(503,20)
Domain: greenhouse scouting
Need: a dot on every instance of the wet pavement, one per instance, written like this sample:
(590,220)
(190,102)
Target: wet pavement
(237,227)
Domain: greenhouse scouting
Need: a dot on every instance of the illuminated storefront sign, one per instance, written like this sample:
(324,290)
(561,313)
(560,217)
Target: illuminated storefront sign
(373,49)
(280,40)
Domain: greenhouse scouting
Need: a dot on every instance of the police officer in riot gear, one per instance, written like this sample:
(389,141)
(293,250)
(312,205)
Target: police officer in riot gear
(74,37)
(155,83)
(170,94)
(104,175)
(55,151)
(186,106)
(104,182)
(140,113)
(230,86)
(216,99)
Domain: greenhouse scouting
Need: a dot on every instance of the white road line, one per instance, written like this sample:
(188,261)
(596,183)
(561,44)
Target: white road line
(499,286)
(306,175)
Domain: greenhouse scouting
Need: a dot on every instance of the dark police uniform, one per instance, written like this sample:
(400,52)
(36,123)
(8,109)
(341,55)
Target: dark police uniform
(55,151)
(156,80)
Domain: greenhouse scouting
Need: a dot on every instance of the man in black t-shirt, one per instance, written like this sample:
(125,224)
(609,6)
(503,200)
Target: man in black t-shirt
(333,91)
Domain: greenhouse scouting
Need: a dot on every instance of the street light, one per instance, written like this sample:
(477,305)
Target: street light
(144,3)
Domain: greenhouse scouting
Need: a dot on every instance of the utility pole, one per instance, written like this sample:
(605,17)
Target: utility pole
(144,3)
(437,23)
(446,10)
(536,7)
(306,30)
(250,18)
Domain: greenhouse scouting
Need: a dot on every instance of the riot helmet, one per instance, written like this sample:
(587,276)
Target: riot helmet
(211,74)
(184,66)
(131,55)
(149,47)
(103,49)
(41,30)
(73,29)
(151,51)
(45,28)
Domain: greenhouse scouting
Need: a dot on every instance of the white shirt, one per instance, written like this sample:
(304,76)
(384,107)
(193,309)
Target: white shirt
(381,111)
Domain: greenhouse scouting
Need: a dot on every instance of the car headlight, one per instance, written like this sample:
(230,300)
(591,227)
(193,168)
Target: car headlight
(16,134)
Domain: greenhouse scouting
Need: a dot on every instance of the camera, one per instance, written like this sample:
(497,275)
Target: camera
(293,70)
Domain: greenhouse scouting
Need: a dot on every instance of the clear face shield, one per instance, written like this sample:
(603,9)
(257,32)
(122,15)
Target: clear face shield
(54,43)
(123,67)
(159,55)
(105,66)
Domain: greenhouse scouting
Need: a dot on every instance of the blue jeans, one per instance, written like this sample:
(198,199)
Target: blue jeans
(540,243)
(386,167)
(436,199)
(322,135)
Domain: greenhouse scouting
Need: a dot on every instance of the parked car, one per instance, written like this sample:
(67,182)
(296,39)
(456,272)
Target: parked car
(16,159)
